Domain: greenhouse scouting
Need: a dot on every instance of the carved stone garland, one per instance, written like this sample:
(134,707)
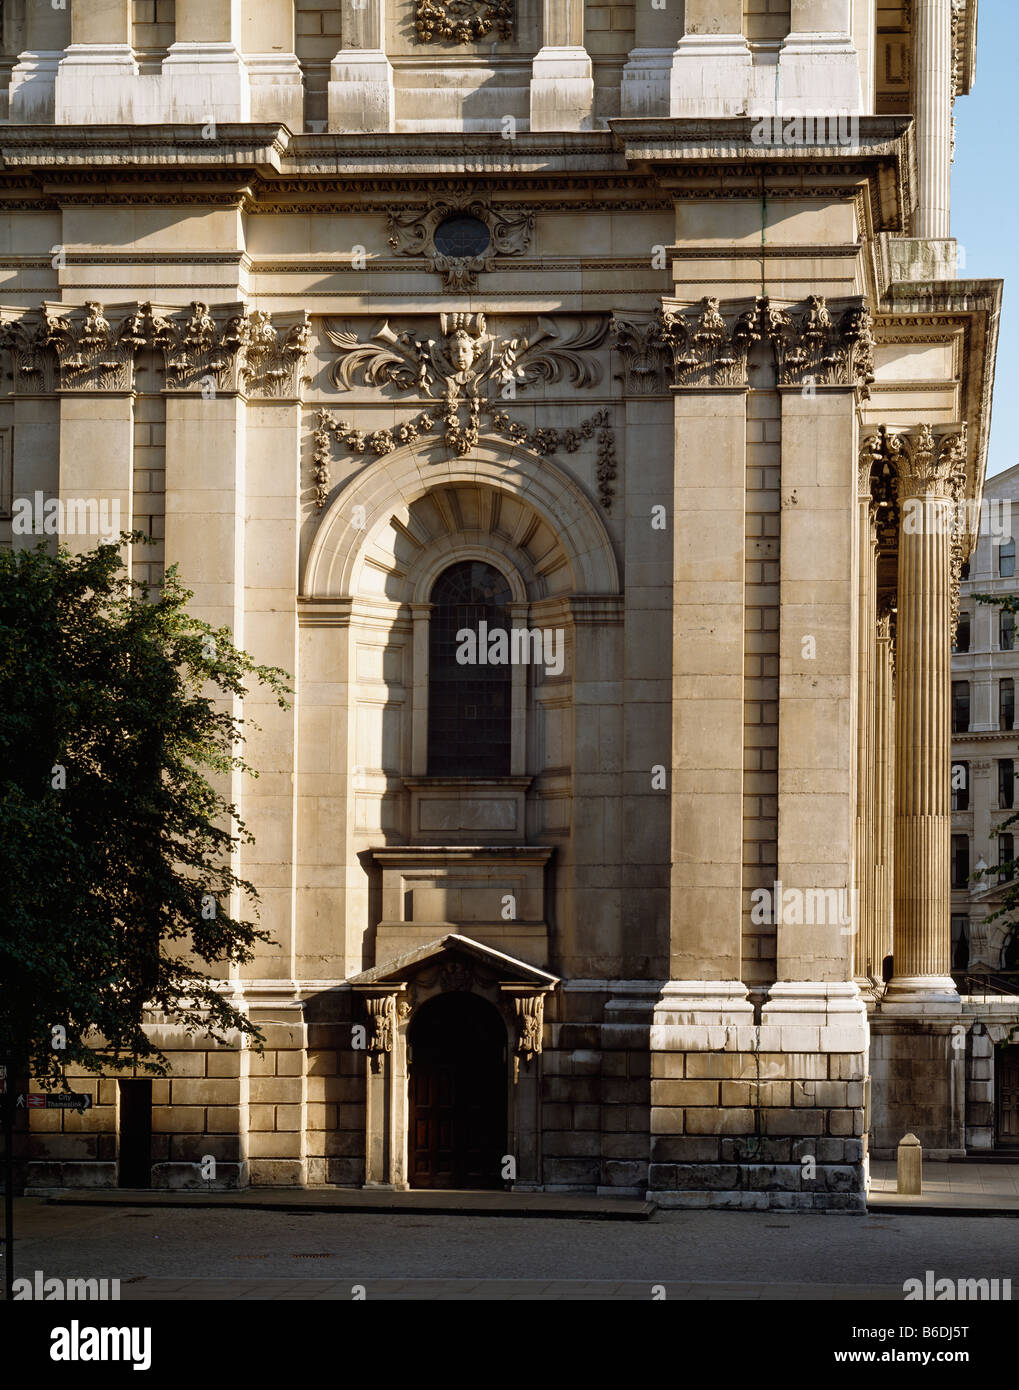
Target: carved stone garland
(473,372)
(412,233)
(462,21)
(529,1011)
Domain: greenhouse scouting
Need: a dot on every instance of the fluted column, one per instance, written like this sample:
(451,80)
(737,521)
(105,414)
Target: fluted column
(932,104)
(866,617)
(926,468)
(880,937)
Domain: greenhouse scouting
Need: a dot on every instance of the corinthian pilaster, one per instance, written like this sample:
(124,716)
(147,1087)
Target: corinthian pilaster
(927,467)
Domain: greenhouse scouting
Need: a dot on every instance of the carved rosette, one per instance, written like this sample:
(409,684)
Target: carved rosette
(462,21)
(381,1026)
(412,233)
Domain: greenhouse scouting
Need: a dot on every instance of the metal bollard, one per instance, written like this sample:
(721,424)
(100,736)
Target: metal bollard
(910,1165)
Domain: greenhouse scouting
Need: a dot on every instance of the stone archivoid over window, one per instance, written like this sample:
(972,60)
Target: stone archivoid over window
(468,704)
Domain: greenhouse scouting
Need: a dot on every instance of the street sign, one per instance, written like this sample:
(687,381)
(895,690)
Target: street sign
(60,1100)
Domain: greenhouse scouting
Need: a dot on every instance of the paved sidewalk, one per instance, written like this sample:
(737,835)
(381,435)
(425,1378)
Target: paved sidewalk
(565,1205)
(951,1189)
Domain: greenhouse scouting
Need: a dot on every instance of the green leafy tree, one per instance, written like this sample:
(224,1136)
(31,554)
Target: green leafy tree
(116,846)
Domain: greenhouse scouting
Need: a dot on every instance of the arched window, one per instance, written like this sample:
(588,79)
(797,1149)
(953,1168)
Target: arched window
(469,694)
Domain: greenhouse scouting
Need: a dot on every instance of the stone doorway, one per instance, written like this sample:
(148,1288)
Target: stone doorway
(457,1085)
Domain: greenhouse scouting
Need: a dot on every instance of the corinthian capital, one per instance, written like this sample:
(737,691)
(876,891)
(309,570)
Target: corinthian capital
(929,461)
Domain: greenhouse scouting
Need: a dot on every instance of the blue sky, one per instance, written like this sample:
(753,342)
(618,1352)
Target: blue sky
(985,204)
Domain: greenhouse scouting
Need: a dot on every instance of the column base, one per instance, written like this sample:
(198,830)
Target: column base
(33,87)
(203,82)
(712,75)
(360,93)
(819,74)
(920,996)
(562,90)
(647,78)
(277,88)
(96,85)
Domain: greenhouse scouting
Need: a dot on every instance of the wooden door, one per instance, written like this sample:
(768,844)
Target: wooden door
(457,1094)
(1006,1066)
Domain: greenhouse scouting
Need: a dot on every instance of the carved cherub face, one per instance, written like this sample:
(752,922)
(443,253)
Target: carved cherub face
(461,349)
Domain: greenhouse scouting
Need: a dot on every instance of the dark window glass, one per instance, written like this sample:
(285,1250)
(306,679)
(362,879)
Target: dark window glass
(960,786)
(1006,631)
(462,236)
(961,643)
(1006,783)
(960,861)
(965,570)
(468,701)
(1006,560)
(1006,853)
(960,707)
(134,1157)
(960,942)
(1006,704)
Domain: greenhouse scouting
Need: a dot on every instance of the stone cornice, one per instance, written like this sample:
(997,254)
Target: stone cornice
(253,163)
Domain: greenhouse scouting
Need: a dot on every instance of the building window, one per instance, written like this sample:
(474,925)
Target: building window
(1006,784)
(960,861)
(960,707)
(964,573)
(961,643)
(1006,704)
(1006,631)
(1006,560)
(469,700)
(960,786)
(461,237)
(1006,853)
(960,942)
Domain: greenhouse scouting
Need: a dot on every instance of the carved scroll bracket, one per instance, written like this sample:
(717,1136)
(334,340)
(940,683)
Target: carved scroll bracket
(529,1019)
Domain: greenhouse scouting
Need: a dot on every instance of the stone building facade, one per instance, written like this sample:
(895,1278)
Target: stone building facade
(633,335)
